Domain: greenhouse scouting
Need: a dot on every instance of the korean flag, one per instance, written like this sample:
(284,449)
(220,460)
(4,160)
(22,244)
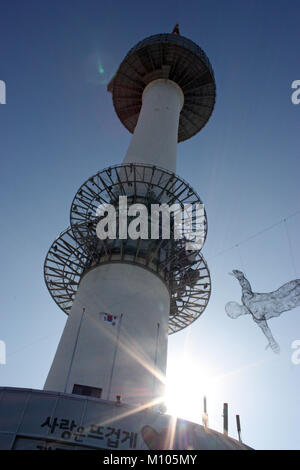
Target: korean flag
(112,319)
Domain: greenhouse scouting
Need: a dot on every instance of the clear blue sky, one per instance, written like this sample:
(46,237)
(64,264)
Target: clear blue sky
(59,127)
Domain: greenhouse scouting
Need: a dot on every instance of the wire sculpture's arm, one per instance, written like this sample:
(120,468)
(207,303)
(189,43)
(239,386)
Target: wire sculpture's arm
(267,332)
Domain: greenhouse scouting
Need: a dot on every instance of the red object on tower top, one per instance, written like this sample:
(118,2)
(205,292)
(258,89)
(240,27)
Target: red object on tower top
(176,29)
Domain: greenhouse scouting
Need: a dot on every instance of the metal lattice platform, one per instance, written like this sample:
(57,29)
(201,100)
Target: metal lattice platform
(141,183)
(173,57)
(188,280)
(64,265)
(78,249)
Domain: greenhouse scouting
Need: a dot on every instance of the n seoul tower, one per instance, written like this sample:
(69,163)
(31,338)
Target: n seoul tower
(163,93)
(124,295)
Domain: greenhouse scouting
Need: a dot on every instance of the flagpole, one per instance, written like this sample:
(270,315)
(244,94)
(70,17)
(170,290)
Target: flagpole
(155,360)
(74,350)
(115,355)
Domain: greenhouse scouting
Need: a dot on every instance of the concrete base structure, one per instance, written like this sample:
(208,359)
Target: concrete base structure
(125,356)
(40,420)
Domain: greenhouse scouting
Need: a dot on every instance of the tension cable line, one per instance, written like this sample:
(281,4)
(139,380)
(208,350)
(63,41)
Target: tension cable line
(236,245)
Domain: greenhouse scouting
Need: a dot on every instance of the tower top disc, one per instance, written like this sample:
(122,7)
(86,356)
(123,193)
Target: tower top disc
(172,57)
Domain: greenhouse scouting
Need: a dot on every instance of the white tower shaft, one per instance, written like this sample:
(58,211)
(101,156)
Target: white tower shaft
(125,356)
(155,137)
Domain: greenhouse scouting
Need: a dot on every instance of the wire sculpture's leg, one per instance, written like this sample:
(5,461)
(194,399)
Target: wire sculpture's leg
(267,332)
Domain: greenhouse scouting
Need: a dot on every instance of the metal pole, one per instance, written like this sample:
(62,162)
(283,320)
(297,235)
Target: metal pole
(115,355)
(238,425)
(225,419)
(74,350)
(204,414)
(155,360)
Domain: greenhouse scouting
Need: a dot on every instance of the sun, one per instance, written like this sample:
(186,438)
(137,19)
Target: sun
(187,383)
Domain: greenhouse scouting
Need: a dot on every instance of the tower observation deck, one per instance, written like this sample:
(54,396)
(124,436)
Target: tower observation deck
(125,294)
(168,57)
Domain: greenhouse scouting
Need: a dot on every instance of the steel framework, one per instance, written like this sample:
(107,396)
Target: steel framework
(175,58)
(79,249)
(188,280)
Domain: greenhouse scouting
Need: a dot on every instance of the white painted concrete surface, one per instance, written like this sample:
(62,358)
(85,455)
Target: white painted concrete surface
(88,345)
(154,141)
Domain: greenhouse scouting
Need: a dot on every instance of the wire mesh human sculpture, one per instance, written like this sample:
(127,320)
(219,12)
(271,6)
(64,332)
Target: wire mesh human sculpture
(264,306)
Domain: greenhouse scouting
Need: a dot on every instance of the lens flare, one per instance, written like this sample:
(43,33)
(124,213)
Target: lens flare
(100,67)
